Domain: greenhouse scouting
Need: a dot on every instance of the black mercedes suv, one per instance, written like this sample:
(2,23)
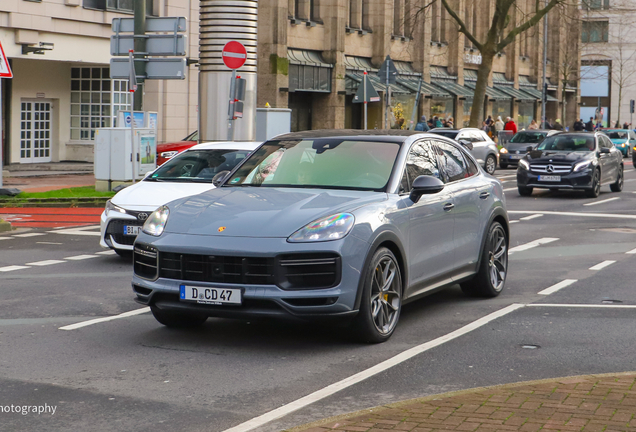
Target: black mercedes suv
(576,160)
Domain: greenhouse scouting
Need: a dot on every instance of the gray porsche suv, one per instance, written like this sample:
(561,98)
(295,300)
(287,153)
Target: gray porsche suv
(343,224)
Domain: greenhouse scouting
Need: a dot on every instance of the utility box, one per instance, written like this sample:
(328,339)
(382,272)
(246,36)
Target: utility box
(271,122)
(115,156)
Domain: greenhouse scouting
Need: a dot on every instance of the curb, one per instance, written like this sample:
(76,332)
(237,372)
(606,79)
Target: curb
(5,226)
(330,420)
(56,202)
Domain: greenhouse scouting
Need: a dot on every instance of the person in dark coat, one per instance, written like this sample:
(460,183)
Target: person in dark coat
(589,126)
(578,125)
(421,125)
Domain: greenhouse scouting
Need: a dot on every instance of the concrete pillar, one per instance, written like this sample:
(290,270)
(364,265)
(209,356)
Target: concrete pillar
(273,65)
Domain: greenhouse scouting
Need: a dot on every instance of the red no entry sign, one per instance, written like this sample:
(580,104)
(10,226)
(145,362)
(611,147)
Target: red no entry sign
(234,55)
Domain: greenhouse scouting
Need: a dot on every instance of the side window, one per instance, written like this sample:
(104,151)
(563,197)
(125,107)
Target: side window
(420,161)
(606,142)
(472,168)
(632,136)
(479,136)
(452,162)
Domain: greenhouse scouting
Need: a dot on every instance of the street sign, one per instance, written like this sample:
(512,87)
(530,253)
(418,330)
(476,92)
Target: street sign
(234,54)
(156,68)
(371,96)
(153,24)
(156,44)
(388,72)
(5,69)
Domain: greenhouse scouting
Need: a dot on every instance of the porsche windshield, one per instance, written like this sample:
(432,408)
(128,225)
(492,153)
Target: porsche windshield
(569,143)
(198,165)
(331,163)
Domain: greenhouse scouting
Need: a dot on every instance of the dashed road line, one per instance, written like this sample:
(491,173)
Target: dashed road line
(12,268)
(554,288)
(602,265)
(534,216)
(507,176)
(45,263)
(6,238)
(532,244)
(86,231)
(603,306)
(602,201)
(106,252)
(631,252)
(49,243)
(80,257)
(513,221)
(603,215)
(509,189)
(29,235)
(105,319)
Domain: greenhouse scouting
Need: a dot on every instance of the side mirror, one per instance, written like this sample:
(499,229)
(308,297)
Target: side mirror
(605,150)
(425,185)
(529,148)
(219,178)
(466,143)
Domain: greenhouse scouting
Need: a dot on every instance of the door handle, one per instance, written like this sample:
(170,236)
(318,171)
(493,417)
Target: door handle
(449,206)
(484,195)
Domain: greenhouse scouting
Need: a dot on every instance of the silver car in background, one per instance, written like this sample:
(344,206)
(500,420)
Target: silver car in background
(340,225)
(484,148)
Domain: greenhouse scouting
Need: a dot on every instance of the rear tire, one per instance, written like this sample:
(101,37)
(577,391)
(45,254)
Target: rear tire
(177,319)
(491,278)
(618,185)
(490,165)
(596,185)
(524,191)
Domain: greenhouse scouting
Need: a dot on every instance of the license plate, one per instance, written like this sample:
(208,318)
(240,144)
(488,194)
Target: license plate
(549,178)
(516,156)
(131,230)
(212,296)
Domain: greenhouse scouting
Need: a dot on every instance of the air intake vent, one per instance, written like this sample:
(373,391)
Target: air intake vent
(308,271)
(145,262)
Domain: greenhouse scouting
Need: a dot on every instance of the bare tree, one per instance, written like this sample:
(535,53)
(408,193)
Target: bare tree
(568,58)
(500,34)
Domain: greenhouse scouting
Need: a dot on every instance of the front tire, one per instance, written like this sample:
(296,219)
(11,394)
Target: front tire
(618,185)
(596,185)
(524,191)
(490,165)
(491,278)
(381,301)
(177,319)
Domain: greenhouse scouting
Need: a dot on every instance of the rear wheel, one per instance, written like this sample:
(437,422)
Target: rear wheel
(381,299)
(618,185)
(491,164)
(177,319)
(524,191)
(596,185)
(493,268)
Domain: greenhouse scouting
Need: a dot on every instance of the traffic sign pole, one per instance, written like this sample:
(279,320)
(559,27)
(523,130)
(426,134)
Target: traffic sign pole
(5,72)
(386,99)
(234,55)
(132,87)
(364,83)
(230,110)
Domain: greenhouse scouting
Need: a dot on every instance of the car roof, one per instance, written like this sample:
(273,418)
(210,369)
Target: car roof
(444,129)
(226,145)
(391,135)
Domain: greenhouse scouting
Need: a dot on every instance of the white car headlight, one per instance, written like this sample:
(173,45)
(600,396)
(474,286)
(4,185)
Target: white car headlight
(581,166)
(156,222)
(503,150)
(168,154)
(524,164)
(332,227)
(112,207)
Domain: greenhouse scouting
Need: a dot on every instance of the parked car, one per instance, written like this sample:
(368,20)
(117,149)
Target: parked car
(167,150)
(344,224)
(484,148)
(623,139)
(575,160)
(189,173)
(518,145)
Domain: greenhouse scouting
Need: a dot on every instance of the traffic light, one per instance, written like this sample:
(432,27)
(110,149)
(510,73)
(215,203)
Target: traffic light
(631,106)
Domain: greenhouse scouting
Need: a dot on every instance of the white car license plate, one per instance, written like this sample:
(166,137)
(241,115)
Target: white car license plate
(550,178)
(208,295)
(516,156)
(131,230)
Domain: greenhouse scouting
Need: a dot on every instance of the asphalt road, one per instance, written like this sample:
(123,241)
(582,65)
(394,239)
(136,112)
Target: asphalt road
(130,373)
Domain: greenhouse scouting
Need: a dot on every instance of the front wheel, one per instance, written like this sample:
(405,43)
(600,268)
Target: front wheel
(381,299)
(490,165)
(618,185)
(596,185)
(524,191)
(177,319)
(491,278)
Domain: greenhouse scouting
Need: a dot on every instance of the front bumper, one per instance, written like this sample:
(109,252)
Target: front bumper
(339,301)
(111,230)
(510,159)
(574,180)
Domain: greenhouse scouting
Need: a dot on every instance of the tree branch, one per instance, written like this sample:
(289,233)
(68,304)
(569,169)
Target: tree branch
(526,25)
(462,26)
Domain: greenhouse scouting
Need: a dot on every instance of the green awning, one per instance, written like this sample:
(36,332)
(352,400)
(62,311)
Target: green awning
(492,93)
(353,79)
(515,93)
(452,87)
(537,93)
(427,89)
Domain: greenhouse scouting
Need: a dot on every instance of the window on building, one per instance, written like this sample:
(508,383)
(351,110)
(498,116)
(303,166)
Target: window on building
(118,5)
(594,31)
(366,19)
(398,17)
(595,4)
(439,23)
(95,100)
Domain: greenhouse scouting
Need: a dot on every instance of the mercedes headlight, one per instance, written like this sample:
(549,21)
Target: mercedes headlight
(156,222)
(524,164)
(112,207)
(580,166)
(332,227)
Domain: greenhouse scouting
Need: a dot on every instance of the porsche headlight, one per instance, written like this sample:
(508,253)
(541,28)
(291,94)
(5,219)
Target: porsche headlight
(112,207)
(332,227)
(156,222)
(524,164)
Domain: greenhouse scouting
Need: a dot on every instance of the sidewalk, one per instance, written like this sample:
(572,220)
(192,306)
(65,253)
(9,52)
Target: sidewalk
(584,403)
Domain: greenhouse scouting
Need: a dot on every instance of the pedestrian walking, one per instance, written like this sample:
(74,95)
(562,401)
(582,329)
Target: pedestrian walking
(510,125)
(578,125)
(421,125)
(589,126)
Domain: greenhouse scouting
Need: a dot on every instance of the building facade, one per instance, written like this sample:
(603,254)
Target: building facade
(313,53)
(61,92)
(608,60)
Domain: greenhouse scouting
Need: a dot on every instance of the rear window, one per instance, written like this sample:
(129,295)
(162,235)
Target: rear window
(447,134)
(617,134)
(528,137)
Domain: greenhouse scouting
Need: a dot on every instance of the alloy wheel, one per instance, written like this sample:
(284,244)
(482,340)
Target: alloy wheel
(385,295)
(597,184)
(498,258)
(490,164)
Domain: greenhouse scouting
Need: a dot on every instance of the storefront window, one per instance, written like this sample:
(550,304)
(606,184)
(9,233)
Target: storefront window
(468,105)
(442,108)
(501,108)
(95,100)
(401,110)
(526,114)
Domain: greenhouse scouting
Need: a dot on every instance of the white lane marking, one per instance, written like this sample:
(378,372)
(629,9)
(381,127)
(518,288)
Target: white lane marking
(507,176)
(6,238)
(631,252)
(625,181)
(603,215)
(79,231)
(531,244)
(12,268)
(106,319)
(374,370)
(602,265)
(513,221)
(80,257)
(534,216)
(49,243)
(616,306)
(509,189)
(601,202)
(29,235)
(554,288)
(107,252)
(45,263)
